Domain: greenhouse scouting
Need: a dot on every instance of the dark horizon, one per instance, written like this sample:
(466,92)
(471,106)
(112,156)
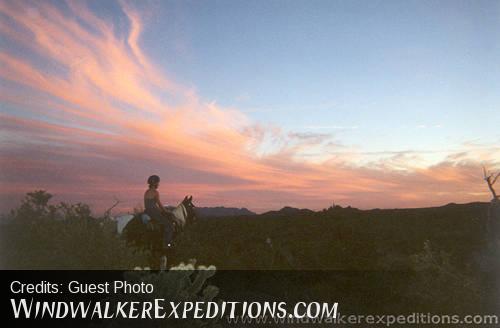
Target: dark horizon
(117,211)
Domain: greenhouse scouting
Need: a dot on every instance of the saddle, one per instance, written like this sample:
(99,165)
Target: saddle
(152,224)
(148,222)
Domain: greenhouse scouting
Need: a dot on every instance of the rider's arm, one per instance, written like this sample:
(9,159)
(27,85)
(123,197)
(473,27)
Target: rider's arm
(160,205)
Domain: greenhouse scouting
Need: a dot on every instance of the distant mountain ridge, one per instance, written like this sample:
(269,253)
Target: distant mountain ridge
(288,211)
(221,211)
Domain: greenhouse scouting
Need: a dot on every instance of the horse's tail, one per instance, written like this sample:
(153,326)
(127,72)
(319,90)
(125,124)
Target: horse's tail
(122,221)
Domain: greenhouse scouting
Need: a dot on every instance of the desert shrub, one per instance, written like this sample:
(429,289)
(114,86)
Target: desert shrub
(39,235)
(438,283)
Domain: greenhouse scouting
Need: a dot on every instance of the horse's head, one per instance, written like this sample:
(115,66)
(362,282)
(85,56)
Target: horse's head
(188,204)
(184,213)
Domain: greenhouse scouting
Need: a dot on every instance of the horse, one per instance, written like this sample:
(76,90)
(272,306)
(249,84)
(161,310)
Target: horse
(144,233)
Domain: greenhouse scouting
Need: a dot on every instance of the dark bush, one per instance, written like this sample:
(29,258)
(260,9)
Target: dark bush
(38,235)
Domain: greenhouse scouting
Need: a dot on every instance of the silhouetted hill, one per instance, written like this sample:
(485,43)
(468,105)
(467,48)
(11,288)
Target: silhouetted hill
(221,211)
(338,238)
(289,211)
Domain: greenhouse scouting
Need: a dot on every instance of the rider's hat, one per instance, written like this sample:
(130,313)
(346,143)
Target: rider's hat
(153,179)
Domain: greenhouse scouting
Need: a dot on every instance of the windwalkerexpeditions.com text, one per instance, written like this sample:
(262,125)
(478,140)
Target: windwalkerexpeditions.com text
(160,308)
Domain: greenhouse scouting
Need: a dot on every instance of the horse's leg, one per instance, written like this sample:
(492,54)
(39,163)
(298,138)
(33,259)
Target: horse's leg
(163,262)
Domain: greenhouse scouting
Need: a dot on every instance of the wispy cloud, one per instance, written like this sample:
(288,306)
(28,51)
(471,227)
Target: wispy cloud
(292,109)
(331,127)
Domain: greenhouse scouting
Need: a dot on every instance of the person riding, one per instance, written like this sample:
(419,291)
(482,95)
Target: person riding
(154,208)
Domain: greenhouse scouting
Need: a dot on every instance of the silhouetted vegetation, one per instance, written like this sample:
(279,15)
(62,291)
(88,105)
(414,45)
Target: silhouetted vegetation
(430,258)
(39,235)
(338,238)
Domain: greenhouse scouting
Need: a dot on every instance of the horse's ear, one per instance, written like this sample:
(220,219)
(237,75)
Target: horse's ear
(190,198)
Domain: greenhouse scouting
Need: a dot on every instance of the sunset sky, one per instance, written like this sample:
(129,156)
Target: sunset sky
(256,104)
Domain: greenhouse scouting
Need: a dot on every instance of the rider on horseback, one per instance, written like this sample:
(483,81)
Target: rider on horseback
(154,208)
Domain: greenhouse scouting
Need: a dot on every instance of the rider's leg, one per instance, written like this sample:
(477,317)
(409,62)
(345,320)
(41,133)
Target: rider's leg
(168,232)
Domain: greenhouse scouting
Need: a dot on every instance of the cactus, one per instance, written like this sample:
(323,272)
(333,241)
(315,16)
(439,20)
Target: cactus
(182,283)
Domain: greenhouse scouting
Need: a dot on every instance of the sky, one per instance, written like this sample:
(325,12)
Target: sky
(257,104)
